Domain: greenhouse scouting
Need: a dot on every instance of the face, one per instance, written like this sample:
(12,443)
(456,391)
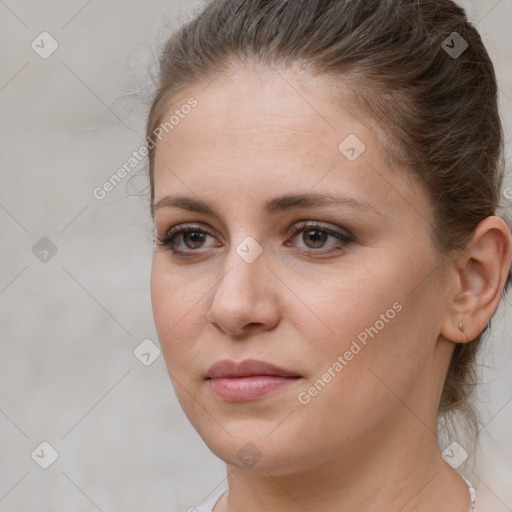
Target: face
(300,247)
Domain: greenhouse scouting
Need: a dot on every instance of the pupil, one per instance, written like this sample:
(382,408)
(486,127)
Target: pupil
(195,238)
(319,236)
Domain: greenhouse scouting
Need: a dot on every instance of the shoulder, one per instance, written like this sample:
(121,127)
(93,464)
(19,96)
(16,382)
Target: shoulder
(207,506)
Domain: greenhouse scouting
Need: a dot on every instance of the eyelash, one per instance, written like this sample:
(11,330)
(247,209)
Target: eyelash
(168,240)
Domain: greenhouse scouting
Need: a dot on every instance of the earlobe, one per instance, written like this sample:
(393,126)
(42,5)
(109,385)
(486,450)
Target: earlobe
(481,274)
(461,329)
(455,330)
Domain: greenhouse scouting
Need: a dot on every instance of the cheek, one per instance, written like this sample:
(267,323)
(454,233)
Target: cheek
(344,396)
(369,318)
(177,309)
(162,300)
(335,305)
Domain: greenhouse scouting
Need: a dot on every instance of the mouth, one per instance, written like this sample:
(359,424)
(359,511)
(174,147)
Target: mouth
(247,368)
(247,380)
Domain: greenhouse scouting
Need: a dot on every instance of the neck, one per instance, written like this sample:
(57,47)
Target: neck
(402,473)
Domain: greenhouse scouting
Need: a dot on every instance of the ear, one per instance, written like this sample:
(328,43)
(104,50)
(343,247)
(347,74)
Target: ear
(481,274)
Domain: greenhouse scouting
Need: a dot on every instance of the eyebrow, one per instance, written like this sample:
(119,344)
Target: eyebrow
(271,206)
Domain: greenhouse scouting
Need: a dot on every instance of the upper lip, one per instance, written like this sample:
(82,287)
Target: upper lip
(246,368)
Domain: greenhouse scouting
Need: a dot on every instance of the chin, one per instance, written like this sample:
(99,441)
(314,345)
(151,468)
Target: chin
(248,446)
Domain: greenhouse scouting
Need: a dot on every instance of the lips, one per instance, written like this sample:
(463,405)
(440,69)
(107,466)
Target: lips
(248,380)
(250,367)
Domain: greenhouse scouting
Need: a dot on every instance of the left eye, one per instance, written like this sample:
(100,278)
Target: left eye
(314,236)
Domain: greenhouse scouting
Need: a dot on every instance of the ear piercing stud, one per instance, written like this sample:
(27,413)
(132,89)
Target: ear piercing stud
(461,327)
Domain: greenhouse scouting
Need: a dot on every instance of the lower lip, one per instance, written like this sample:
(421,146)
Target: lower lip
(239,389)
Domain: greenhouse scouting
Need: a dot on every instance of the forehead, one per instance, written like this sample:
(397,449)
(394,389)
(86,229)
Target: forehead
(269,130)
(286,100)
(259,114)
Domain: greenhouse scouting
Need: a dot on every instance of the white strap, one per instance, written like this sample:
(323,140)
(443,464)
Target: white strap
(472,493)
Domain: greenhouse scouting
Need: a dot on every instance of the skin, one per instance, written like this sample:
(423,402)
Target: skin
(368,440)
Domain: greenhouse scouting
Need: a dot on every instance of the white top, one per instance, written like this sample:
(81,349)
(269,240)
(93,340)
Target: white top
(208,506)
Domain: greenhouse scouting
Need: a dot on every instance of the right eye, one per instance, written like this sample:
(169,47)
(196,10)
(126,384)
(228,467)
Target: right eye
(192,238)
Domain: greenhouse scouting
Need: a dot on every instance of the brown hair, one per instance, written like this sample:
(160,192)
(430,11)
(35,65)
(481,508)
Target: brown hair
(435,109)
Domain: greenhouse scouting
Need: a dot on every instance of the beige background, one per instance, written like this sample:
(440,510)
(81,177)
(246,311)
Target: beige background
(69,325)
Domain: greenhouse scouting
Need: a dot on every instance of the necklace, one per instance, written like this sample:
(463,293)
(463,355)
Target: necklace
(471,493)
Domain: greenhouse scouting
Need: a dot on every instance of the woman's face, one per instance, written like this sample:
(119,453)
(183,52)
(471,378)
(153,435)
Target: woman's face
(350,304)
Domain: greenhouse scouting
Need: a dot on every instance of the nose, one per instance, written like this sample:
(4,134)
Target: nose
(245,298)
